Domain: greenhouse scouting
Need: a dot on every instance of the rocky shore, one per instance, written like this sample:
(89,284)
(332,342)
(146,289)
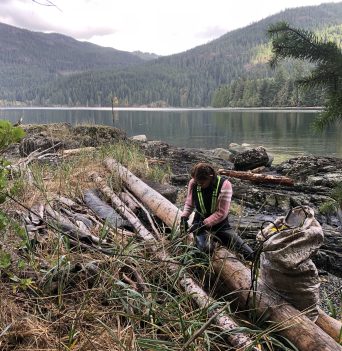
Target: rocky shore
(314,178)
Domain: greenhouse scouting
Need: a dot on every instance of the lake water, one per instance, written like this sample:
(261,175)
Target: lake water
(280,132)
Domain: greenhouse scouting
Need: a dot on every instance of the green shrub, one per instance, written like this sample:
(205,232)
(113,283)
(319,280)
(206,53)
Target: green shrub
(328,208)
(337,194)
(8,136)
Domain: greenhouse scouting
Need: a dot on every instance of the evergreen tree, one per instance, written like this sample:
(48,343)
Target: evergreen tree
(289,42)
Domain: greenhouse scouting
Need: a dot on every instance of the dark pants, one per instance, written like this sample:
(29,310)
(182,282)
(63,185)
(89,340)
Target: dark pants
(226,236)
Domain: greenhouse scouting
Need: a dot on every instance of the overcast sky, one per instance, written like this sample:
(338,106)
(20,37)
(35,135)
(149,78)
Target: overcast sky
(160,26)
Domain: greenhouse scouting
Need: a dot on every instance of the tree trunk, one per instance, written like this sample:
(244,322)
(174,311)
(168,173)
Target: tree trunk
(157,203)
(304,334)
(330,325)
(291,323)
(258,178)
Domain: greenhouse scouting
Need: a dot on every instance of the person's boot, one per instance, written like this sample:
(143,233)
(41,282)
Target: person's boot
(201,242)
(235,243)
(247,252)
(205,243)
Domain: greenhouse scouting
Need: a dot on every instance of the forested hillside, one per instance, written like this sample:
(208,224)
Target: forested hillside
(191,78)
(29,59)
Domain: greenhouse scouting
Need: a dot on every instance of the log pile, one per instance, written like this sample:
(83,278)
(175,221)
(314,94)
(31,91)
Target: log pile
(79,223)
(238,340)
(74,220)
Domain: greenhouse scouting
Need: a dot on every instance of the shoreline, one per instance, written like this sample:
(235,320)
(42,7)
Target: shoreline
(278,153)
(145,108)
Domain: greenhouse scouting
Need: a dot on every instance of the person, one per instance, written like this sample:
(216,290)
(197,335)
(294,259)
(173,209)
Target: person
(209,195)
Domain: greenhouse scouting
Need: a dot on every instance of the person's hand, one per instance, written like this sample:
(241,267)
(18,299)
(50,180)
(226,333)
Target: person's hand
(184,226)
(195,227)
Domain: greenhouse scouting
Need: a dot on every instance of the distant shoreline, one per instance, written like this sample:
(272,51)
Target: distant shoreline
(141,108)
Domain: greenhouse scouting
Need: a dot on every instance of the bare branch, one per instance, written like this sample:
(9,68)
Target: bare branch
(47,3)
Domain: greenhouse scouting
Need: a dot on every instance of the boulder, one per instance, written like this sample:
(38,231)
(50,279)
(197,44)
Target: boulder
(251,159)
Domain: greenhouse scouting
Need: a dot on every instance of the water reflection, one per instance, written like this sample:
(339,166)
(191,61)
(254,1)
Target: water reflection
(285,132)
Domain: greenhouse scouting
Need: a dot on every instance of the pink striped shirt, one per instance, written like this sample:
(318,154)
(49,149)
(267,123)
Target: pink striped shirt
(222,208)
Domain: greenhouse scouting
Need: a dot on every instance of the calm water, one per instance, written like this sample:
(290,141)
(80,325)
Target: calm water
(280,132)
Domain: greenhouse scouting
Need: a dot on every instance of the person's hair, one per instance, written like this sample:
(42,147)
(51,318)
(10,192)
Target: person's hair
(202,171)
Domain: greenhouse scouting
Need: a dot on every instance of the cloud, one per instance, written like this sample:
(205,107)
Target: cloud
(211,32)
(25,14)
(163,27)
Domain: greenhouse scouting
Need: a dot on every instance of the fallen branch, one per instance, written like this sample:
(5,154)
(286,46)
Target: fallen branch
(72,152)
(122,208)
(126,198)
(157,203)
(71,228)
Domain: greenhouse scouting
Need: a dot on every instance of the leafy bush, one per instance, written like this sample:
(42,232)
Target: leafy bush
(8,136)
(337,194)
(333,205)
(328,208)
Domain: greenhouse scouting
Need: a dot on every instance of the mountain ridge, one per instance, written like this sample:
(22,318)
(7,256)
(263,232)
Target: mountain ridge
(184,79)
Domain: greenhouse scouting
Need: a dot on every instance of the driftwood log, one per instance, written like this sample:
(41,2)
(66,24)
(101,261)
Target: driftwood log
(76,235)
(258,178)
(238,340)
(304,334)
(291,323)
(73,152)
(157,203)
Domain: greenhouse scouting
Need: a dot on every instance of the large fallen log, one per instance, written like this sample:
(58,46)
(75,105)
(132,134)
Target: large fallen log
(237,277)
(258,178)
(330,325)
(292,324)
(103,210)
(157,203)
(238,340)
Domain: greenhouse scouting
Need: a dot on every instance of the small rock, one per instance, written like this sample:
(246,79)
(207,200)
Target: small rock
(141,137)
(236,148)
(222,153)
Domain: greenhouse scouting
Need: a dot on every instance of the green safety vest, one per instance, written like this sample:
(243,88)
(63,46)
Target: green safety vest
(213,198)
